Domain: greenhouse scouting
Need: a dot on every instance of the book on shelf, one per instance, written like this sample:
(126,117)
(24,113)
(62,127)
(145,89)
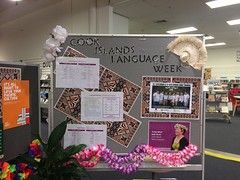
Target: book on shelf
(218,97)
(224,109)
(211,97)
(211,109)
(224,99)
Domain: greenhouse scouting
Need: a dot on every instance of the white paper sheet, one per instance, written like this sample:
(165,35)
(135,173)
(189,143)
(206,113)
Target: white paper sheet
(89,135)
(75,72)
(102,106)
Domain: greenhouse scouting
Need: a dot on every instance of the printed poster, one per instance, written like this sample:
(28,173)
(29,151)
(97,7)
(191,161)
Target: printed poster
(162,134)
(102,106)
(89,135)
(15,103)
(76,72)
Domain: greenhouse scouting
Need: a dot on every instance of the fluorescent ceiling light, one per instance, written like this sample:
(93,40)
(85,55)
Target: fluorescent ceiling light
(222,3)
(209,37)
(234,22)
(16,0)
(182,30)
(215,44)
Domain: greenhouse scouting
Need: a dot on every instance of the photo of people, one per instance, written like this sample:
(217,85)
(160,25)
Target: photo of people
(169,136)
(170,97)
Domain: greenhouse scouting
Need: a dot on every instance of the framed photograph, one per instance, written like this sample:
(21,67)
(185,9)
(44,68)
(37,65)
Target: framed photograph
(170,97)
(150,108)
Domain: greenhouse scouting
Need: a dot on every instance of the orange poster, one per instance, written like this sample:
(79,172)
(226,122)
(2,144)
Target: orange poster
(15,103)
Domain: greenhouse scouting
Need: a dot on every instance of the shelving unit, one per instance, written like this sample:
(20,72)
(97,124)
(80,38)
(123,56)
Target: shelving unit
(217,105)
(45,89)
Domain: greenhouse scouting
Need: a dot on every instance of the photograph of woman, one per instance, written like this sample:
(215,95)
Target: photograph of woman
(179,142)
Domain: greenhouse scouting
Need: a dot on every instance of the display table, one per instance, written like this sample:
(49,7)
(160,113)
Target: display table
(237,104)
(152,167)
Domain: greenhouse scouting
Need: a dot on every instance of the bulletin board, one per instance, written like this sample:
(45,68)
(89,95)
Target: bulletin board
(17,139)
(133,64)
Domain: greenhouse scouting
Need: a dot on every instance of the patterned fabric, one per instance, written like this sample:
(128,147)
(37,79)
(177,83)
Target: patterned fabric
(69,103)
(123,132)
(111,81)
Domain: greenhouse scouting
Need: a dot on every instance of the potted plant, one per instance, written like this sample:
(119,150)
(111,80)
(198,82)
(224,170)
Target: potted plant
(56,163)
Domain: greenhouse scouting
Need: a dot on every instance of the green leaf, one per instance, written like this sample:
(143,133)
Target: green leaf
(58,155)
(71,150)
(28,160)
(56,135)
(72,171)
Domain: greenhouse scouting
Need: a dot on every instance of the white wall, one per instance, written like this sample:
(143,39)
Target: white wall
(120,24)
(223,63)
(23,38)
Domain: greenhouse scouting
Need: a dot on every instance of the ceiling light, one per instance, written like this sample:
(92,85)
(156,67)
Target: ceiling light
(215,44)
(222,3)
(209,37)
(16,0)
(234,22)
(182,30)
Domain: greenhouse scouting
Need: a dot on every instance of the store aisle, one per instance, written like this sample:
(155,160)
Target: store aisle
(223,136)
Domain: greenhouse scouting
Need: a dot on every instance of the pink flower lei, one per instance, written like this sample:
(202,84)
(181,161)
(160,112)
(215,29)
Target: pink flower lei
(132,161)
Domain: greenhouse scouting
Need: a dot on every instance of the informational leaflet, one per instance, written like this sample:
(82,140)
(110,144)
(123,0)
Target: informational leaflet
(89,135)
(102,106)
(162,134)
(15,103)
(75,72)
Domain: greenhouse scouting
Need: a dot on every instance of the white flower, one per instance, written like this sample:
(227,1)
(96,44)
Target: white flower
(52,45)
(60,33)
(49,56)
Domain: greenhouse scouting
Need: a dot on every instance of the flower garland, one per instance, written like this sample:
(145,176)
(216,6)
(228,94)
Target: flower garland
(21,171)
(53,43)
(89,157)
(18,171)
(131,162)
(35,150)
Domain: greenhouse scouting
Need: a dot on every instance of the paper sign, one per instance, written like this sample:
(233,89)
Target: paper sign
(75,72)
(161,134)
(102,106)
(15,103)
(89,135)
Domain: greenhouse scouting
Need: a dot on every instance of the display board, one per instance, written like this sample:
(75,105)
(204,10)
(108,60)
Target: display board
(17,139)
(138,66)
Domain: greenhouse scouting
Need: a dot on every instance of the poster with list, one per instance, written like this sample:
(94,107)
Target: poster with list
(89,135)
(75,72)
(102,106)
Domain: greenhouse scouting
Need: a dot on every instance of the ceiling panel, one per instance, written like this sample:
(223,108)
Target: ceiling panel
(143,15)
